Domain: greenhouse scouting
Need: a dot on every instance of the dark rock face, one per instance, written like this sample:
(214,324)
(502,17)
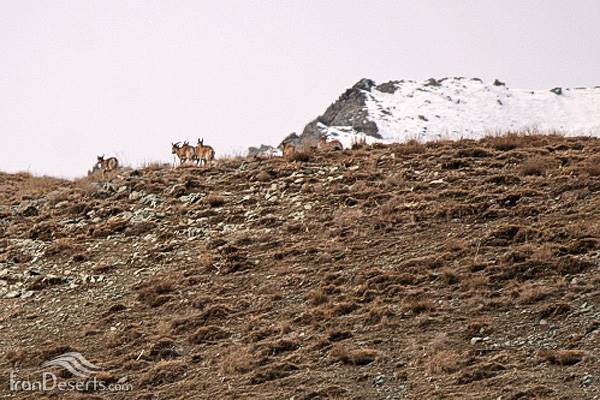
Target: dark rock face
(432,82)
(499,83)
(348,110)
(557,91)
(388,87)
(292,138)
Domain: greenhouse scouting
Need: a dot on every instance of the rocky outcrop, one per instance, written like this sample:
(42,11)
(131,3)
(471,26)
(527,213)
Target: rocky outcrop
(348,110)
(263,150)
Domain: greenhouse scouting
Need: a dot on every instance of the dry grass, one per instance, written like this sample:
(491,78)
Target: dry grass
(562,357)
(214,200)
(356,357)
(238,360)
(535,166)
(591,167)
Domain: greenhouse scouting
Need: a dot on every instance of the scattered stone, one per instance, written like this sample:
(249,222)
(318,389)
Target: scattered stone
(29,211)
(134,196)
(476,339)
(12,294)
(379,380)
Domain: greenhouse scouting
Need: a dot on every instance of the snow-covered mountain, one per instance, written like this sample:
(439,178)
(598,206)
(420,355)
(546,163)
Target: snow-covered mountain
(454,108)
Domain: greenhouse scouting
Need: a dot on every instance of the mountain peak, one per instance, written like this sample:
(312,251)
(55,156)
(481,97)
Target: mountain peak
(453,108)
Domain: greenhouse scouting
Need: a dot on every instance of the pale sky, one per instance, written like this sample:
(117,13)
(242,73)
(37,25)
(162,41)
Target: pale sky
(80,78)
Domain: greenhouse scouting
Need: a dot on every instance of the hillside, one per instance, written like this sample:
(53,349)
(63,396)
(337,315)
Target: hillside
(454,108)
(447,270)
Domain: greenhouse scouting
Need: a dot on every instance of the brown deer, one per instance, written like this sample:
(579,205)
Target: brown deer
(108,165)
(324,145)
(204,153)
(184,152)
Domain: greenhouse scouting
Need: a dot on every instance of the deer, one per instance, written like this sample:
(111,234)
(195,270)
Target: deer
(324,145)
(184,152)
(108,165)
(204,153)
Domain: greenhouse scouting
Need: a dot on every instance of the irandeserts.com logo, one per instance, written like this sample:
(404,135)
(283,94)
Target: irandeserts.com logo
(83,377)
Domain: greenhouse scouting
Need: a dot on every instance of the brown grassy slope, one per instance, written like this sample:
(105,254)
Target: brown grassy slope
(447,270)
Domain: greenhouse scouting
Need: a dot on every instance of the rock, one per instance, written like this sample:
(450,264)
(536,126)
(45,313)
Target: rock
(432,82)
(62,204)
(151,200)
(263,151)
(29,211)
(499,83)
(133,196)
(476,339)
(349,110)
(178,190)
(379,380)
(12,294)
(190,198)
(557,91)
(587,380)
(108,187)
(122,189)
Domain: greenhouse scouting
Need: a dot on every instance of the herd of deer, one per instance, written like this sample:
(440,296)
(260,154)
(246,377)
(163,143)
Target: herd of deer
(203,154)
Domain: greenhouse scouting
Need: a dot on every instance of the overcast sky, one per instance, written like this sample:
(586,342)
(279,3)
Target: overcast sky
(125,78)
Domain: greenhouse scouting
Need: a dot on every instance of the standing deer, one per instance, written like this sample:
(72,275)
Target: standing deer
(184,152)
(204,153)
(324,145)
(108,165)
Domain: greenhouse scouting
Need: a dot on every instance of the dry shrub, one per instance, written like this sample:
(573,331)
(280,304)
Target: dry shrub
(535,166)
(413,146)
(276,347)
(347,216)
(591,167)
(300,155)
(530,293)
(456,245)
(441,358)
(474,283)
(237,361)
(272,372)
(317,297)
(506,142)
(356,357)
(449,276)
(165,371)
(15,357)
(210,333)
(445,361)
(28,184)
(154,293)
(61,247)
(562,357)
(417,305)
(214,200)
(263,176)
(164,349)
